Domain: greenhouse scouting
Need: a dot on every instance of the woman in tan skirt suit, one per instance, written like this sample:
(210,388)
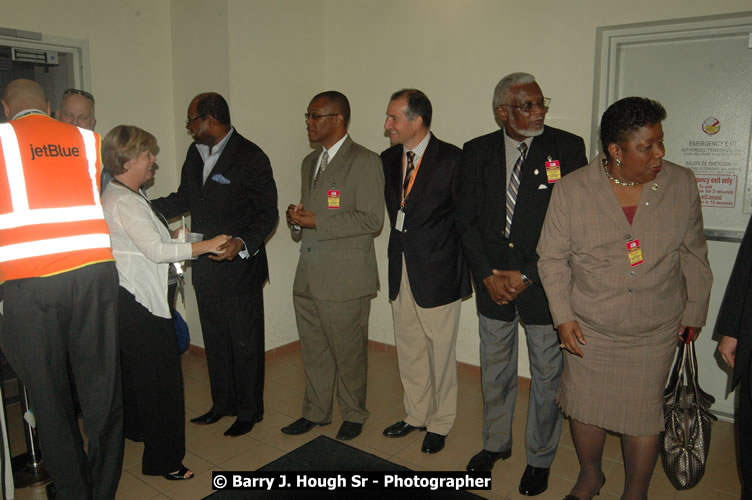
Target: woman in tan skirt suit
(623,261)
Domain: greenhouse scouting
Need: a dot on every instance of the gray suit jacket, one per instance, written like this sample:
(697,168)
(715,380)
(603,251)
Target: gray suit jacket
(337,258)
(584,266)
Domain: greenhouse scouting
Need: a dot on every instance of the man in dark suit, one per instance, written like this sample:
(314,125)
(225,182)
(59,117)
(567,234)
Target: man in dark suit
(227,186)
(506,181)
(735,327)
(341,209)
(427,275)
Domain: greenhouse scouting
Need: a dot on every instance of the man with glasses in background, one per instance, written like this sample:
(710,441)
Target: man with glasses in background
(341,209)
(77,108)
(506,179)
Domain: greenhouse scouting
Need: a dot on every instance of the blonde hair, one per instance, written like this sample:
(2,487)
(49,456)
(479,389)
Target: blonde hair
(122,144)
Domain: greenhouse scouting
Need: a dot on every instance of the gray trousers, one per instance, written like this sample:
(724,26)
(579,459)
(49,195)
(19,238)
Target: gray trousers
(49,324)
(498,361)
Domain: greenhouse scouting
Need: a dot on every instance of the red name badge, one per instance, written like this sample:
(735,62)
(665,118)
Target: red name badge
(553,171)
(333,198)
(634,253)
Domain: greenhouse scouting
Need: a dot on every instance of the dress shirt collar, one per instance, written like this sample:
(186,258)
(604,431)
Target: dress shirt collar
(205,151)
(27,112)
(420,148)
(333,150)
(510,145)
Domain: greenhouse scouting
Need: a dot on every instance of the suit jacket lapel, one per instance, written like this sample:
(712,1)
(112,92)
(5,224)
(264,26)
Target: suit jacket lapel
(606,197)
(425,172)
(224,162)
(496,173)
(326,177)
(395,175)
(651,195)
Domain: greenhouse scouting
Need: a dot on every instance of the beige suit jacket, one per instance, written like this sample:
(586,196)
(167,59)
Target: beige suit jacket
(337,258)
(584,265)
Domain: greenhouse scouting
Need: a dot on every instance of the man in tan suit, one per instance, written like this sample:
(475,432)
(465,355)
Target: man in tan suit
(341,209)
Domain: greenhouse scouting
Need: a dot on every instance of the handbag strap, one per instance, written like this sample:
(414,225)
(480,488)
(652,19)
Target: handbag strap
(679,372)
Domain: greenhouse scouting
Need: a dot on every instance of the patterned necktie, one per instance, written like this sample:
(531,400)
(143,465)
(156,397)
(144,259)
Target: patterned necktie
(409,171)
(322,167)
(514,185)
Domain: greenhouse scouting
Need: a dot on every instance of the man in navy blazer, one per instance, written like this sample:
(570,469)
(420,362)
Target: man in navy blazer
(227,186)
(427,275)
(506,181)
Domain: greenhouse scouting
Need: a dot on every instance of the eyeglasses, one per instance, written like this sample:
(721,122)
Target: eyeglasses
(191,120)
(314,116)
(79,92)
(543,104)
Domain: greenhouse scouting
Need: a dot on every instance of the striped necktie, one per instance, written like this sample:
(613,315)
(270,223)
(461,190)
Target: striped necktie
(322,167)
(408,171)
(514,186)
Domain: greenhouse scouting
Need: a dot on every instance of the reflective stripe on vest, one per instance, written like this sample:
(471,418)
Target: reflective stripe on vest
(53,245)
(22,215)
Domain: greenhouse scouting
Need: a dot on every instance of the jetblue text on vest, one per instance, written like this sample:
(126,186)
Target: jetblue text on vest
(52,151)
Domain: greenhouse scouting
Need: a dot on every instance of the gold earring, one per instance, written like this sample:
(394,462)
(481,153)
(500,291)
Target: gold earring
(618,162)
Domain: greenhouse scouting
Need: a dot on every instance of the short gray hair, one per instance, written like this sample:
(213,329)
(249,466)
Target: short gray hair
(505,85)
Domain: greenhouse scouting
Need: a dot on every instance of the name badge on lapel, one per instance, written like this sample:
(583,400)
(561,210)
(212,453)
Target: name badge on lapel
(553,170)
(332,196)
(634,253)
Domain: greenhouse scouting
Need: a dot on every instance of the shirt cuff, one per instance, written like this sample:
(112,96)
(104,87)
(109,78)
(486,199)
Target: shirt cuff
(244,254)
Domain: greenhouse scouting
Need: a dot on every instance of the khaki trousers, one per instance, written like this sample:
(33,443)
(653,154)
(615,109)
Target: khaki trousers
(426,341)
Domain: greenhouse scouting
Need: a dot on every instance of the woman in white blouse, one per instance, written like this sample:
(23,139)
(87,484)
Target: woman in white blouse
(154,411)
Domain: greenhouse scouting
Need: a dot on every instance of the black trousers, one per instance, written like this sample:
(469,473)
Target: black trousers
(152,385)
(745,433)
(233,330)
(70,319)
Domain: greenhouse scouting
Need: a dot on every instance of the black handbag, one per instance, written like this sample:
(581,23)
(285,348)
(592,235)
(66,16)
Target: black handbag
(686,439)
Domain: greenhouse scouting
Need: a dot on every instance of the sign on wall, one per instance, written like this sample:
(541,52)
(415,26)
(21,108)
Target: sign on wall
(700,70)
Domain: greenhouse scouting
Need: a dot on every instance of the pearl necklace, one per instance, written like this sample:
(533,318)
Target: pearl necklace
(614,179)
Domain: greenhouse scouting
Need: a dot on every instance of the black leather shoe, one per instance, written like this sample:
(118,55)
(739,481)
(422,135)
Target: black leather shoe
(207,418)
(301,426)
(433,443)
(534,481)
(51,491)
(485,460)
(242,426)
(401,429)
(349,430)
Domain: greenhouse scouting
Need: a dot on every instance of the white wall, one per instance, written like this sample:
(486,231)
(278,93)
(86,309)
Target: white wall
(130,60)
(268,57)
(200,63)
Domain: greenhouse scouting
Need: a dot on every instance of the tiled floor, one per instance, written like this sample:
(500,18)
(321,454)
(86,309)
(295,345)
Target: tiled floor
(209,450)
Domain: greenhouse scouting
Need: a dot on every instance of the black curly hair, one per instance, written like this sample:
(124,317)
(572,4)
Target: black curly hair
(626,115)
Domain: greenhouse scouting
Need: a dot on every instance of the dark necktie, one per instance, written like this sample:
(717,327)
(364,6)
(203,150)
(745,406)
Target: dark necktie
(409,171)
(322,167)
(514,186)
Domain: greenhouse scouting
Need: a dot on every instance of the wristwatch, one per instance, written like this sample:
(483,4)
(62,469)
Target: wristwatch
(526,280)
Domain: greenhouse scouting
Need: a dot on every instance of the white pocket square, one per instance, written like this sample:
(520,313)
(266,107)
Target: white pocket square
(542,186)
(220,179)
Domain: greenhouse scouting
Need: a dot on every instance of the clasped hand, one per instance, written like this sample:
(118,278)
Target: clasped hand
(297,216)
(504,286)
(228,249)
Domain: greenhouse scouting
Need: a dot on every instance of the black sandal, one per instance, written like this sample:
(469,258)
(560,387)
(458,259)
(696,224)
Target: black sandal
(183,473)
